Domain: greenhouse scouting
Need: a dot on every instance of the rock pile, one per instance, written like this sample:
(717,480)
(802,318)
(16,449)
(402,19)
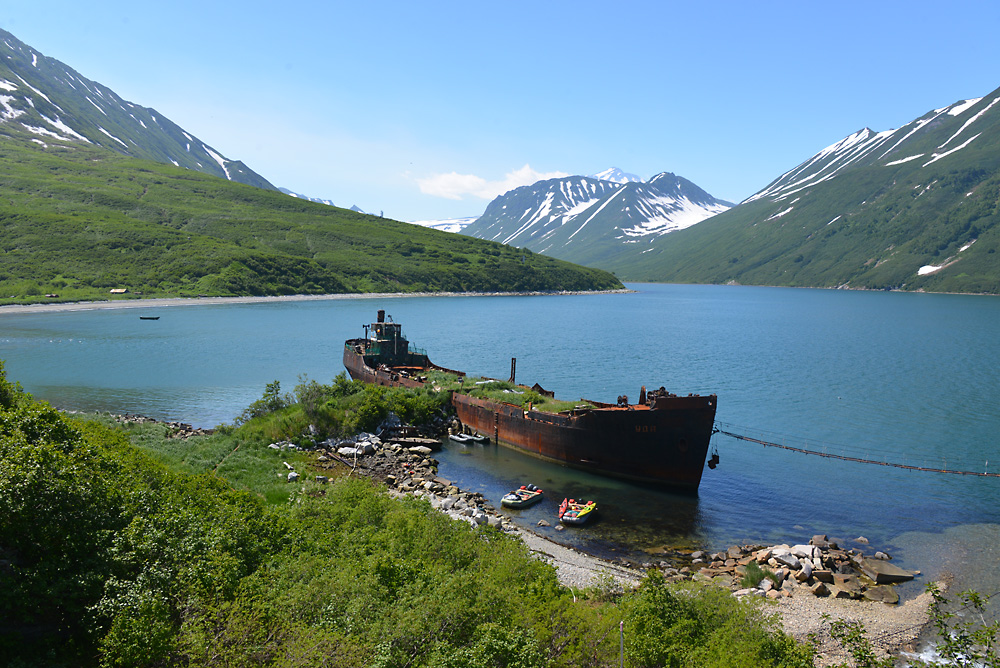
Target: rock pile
(174,429)
(820,568)
(410,469)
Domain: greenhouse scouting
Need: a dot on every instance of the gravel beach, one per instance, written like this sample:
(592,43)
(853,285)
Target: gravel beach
(166,302)
(891,628)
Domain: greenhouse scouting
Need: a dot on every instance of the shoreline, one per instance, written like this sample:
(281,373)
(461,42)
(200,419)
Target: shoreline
(167,302)
(891,628)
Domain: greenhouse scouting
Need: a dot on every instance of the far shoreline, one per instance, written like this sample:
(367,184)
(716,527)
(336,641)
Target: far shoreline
(167,302)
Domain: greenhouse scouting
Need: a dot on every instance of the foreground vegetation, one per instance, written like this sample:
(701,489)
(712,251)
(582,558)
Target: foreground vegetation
(78,221)
(117,557)
(186,554)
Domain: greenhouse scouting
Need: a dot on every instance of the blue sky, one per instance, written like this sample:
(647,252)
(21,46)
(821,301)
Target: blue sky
(428,110)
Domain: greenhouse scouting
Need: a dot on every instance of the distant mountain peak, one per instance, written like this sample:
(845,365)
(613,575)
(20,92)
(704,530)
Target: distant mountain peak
(616,175)
(586,219)
(48,101)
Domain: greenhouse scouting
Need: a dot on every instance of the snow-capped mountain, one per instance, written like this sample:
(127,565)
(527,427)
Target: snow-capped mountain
(616,175)
(914,208)
(584,219)
(889,148)
(49,102)
(448,225)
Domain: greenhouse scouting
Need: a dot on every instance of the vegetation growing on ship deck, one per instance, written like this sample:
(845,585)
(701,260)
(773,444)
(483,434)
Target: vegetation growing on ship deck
(77,221)
(502,391)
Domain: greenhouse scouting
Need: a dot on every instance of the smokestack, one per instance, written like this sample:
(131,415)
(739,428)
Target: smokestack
(381,315)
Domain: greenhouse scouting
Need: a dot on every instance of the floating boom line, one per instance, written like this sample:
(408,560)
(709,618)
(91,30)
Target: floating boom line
(847,458)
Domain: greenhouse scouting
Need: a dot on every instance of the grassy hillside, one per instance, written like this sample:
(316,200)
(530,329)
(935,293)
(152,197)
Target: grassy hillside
(881,241)
(78,221)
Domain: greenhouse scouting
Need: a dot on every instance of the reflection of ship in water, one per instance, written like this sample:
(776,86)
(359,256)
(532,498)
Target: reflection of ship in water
(633,517)
(661,440)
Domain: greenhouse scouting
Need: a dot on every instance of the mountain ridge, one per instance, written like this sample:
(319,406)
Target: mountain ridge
(588,220)
(912,208)
(45,100)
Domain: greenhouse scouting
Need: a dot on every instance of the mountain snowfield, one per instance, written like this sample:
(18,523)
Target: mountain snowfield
(50,102)
(866,147)
(583,219)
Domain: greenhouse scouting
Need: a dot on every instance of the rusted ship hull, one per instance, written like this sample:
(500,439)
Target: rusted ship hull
(663,441)
(662,446)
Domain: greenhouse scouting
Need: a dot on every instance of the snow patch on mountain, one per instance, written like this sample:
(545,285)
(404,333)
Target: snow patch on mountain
(112,136)
(938,156)
(616,175)
(900,162)
(62,127)
(970,122)
(667,214)
(454,225)
(219,159)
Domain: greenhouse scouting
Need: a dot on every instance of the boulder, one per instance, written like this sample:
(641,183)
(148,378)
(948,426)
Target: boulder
(882,555)
(292,476)
(883,593)
(883,572)
(805,551)
(788,559)
(823,575)
(820,589)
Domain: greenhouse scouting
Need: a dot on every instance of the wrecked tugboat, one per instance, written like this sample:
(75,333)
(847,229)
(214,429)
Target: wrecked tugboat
(661,440)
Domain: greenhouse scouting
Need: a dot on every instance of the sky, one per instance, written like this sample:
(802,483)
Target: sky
(428,111)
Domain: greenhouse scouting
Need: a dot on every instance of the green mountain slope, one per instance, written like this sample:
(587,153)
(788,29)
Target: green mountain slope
(77,220)
(52,101)
(915,208)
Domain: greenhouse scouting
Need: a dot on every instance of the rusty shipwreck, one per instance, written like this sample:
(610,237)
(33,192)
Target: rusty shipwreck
(661,440)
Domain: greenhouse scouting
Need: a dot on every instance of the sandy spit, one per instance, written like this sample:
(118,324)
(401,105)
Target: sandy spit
(208,301)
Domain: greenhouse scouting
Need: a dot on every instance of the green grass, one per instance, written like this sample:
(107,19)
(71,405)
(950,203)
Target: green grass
(78,221)
(242,459)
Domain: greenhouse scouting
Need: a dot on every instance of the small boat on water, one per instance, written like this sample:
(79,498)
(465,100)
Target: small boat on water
(149,317)
(526,496)
(468,439)
(576,512)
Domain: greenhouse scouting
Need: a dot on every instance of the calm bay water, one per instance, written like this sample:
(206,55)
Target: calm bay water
(907,378)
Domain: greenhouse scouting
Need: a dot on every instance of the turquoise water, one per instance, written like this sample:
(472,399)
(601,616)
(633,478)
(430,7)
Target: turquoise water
(907,378)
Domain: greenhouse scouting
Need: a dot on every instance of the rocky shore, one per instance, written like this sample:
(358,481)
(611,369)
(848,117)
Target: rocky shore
(804,583)
(173,429)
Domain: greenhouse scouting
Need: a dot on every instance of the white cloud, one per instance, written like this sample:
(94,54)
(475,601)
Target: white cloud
(456,186)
